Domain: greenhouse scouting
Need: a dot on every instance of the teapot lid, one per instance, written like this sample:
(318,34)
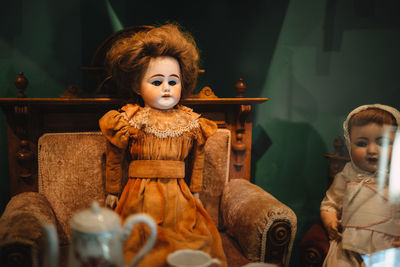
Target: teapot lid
(95,220)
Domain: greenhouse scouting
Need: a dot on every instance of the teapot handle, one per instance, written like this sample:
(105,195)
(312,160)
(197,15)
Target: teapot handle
(51,247)
(130,222)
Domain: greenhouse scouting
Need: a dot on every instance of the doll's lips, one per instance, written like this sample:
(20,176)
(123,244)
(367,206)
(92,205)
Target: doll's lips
(165,95)
(372,160)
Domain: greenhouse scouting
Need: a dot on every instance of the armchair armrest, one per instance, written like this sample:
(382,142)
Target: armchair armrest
(314,246)
(263,226)
(21,235)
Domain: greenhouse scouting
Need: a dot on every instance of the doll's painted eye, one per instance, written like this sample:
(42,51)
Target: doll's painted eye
(361,144)
(383,141)
(156,83)
(173,80)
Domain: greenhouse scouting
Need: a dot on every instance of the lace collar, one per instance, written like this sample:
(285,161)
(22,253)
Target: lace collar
(165,123)
(356,174)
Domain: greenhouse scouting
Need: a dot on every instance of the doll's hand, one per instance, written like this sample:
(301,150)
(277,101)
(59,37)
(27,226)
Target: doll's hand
(130,110)
(111,201)
(331,224)
(197,196)
(333,230)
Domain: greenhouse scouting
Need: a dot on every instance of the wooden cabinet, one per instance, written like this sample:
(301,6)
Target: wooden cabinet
(29,118)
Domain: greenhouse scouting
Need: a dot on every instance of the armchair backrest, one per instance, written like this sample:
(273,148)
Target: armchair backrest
(72,172)
(216,171)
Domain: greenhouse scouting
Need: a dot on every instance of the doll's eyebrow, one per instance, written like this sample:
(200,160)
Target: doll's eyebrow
(361,138)
(162,75)
(380,138)
(156,75)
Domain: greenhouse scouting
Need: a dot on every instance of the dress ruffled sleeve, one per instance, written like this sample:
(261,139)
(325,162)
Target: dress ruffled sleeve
(116,130)
(207,129)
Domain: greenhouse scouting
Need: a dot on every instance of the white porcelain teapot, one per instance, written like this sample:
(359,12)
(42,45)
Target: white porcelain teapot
(97,238)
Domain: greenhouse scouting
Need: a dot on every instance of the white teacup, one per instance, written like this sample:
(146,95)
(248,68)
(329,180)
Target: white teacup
(191,258)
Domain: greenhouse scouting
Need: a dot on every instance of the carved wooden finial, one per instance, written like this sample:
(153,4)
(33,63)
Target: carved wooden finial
(21,82)
(240,88)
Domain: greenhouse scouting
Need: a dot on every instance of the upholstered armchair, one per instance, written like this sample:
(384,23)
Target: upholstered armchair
(254,225)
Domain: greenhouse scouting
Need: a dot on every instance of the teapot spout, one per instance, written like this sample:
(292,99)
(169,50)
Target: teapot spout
(51,247)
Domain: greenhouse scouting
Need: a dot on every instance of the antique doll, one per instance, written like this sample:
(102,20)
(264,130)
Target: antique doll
(160,65)
(354,202)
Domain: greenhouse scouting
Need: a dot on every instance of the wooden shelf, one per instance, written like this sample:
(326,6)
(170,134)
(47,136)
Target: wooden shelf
(79,101)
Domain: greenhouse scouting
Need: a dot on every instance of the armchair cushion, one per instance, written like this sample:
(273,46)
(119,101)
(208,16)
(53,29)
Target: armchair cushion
(20,226)
(248,212)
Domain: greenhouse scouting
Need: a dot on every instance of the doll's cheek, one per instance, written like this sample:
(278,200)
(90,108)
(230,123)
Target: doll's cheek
(357,153)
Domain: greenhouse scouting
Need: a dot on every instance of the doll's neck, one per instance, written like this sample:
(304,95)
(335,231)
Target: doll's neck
(158,109)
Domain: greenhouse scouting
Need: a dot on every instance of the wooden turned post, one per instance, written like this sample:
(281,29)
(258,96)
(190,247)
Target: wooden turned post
(24,155)
(337,160)
(25,160)
(21,82)
(241,130)
(238,145)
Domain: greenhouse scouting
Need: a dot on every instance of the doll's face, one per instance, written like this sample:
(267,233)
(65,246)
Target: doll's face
(366,145)
(161,84)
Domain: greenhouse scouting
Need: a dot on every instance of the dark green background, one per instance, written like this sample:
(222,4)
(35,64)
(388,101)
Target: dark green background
(315,59)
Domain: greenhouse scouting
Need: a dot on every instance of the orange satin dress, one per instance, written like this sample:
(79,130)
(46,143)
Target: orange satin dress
(177,134)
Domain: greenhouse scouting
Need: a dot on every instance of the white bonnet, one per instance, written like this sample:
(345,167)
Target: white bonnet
(391,110)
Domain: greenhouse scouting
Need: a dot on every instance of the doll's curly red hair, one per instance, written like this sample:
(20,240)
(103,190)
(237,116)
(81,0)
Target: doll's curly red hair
(372,115)
(129,57)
